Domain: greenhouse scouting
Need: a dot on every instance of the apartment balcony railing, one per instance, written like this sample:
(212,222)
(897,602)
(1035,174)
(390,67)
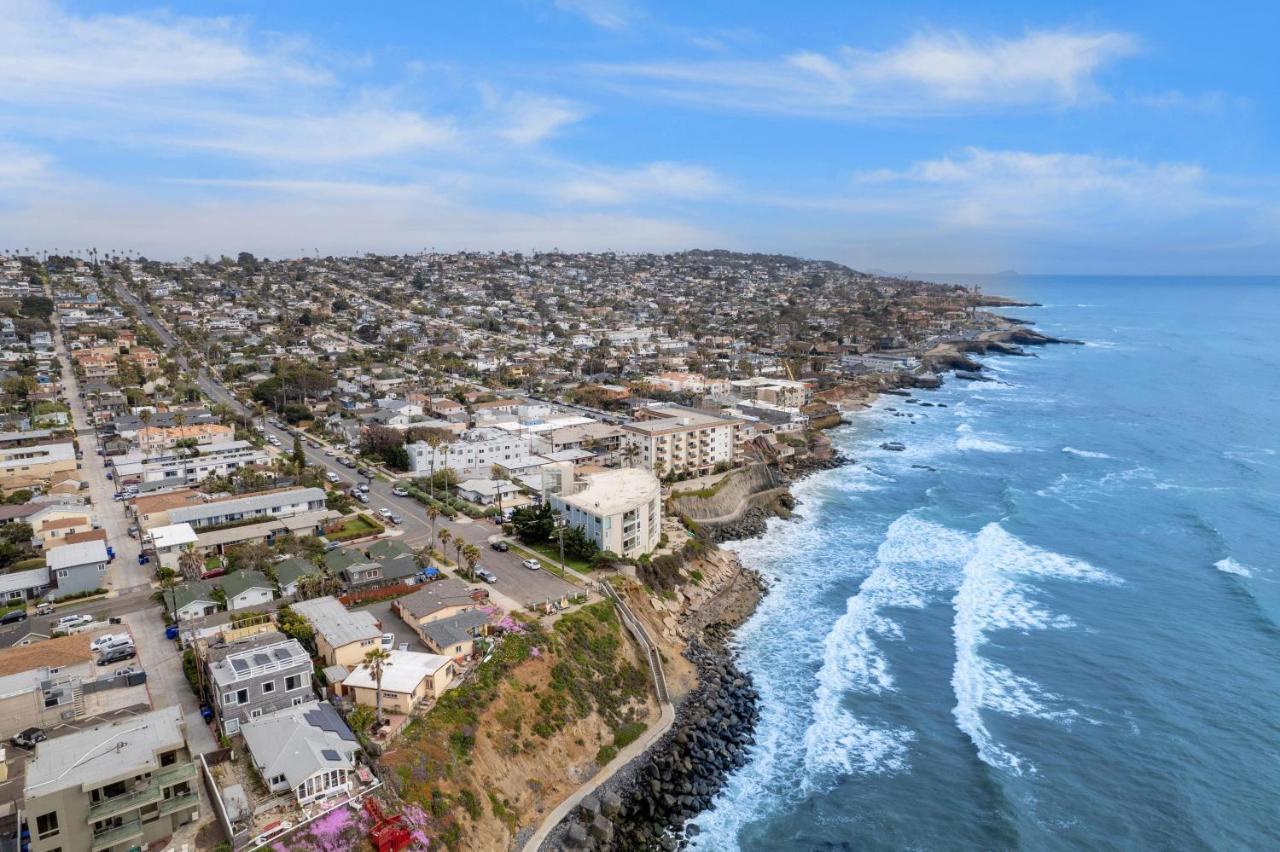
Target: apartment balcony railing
(126,802)
(114,836)
(179,803)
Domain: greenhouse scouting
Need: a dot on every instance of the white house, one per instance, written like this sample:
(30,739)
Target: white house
(170,542)
(245,589)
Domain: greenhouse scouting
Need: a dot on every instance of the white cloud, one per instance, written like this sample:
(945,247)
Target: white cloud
(654,181)
(355,134)
(929,73)
(45,51)
(527,119)
(609,14)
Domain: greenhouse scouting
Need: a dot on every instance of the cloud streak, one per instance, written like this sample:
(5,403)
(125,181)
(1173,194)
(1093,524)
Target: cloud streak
(930,73)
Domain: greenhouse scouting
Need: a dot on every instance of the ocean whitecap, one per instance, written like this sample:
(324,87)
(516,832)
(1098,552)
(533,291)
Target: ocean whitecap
(1231,566)
(1085,454)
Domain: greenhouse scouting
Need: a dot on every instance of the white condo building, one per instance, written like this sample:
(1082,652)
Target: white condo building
(620,510)
(672,438)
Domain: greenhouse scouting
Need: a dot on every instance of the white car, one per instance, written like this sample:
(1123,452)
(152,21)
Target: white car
(68,621)
(385,512)
(330,451)
(106,640)
(388,641)
(400,491)
(531,564)
(333,477)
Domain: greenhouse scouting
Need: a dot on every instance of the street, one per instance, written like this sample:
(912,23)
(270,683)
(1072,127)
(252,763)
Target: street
(514,580)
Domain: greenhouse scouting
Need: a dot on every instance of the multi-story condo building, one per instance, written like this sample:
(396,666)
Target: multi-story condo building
(783,393)
(122,785)
(474,450)
(180,468)
(675,439)
(260,675)
(620,510)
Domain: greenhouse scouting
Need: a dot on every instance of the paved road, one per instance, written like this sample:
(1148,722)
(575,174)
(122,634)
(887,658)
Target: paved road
(528,587)
(101,609)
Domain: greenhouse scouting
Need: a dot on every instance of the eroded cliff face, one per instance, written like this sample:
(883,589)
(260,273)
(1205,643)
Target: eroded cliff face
(725,497)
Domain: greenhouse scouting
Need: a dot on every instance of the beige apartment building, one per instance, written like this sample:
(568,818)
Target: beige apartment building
(118,786)
(674,439)
(23,466)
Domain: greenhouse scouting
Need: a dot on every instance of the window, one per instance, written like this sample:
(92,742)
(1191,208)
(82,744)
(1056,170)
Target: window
(279,779)
(298,701)
(268,687)
(297,681)
(242,696)
(169,758)
(47,825)
(228,699)
(255,713)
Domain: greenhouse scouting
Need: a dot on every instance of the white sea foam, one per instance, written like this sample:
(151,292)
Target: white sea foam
(970,442)
(1087,454)
(991,598)
(916,560)
(1230,566)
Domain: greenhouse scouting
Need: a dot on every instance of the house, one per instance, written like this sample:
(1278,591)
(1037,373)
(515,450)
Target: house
(170,542)
(306,749)
(619,510)
(383,563)
(245,589)
(343,636)
(79,567)
(52,682)
(407,678)
(455,635)
(191,600)
(51,530)
(265,505)
(23,466)
(290,571)
(258,675)
(486,492)
(783,393)
(438,600)
(125,784)
(24,585)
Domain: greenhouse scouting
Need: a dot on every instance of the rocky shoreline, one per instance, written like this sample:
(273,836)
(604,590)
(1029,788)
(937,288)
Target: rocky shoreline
(648,804)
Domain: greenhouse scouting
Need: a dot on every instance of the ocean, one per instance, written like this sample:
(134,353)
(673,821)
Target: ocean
(1053,621)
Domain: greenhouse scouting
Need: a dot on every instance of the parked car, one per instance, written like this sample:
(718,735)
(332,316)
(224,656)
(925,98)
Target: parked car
(400,491)
(106,640)
(486,575)
(14,616)
(28,738)
(44,609)
(332,477)
(385,512)
(395,519)
(69,621)
(362,497)
(500,546)
(126,671)
(531,564)
(363,486)
(388,641)
(117,655)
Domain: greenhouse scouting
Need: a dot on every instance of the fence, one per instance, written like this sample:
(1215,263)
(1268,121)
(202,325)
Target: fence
(637,630)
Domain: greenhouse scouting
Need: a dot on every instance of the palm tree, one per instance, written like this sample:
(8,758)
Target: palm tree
(444,537)
(377,659)
(432,514)
(630,453)
(458,546)
(189,564)
(471,554)
(433,441)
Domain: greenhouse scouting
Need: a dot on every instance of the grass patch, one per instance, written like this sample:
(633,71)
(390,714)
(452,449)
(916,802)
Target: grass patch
(358,527)
(549,555)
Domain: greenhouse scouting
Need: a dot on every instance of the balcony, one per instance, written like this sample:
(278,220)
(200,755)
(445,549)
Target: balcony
(180,803)
(127,802)
(115,836)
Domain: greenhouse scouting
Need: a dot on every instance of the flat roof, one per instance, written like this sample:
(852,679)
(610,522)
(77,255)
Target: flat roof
(104,752)
(80,553)
(173,535)
(613,491)
(402,673)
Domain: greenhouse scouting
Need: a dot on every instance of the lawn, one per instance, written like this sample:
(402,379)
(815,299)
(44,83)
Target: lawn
(550,553)
(357,527)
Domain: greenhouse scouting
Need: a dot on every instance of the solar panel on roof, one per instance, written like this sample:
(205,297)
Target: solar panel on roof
(282,653)
(261,659)
(239,664)
(330,754)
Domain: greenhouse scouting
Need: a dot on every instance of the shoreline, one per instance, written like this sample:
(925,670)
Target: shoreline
(650,802)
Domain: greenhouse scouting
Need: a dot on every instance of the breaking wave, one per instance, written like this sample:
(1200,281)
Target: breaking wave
(1230,566)
(990,598)
(973,443)
(1087,454)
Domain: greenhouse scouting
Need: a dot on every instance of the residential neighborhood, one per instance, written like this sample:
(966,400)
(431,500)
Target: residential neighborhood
(261,518)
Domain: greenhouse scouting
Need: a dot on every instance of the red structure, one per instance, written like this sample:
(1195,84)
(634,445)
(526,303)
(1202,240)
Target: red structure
(389,834)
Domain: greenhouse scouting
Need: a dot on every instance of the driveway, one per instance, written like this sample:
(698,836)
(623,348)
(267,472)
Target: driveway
(392,623)
(162,661)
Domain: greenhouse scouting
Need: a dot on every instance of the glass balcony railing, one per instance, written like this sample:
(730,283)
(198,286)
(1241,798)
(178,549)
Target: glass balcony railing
(111,837)
(127,802)
(179,803)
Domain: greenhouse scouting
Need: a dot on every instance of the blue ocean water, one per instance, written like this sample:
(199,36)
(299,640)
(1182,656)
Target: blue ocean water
(1053,622)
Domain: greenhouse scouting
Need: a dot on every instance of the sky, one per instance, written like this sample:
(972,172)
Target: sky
(1047,137)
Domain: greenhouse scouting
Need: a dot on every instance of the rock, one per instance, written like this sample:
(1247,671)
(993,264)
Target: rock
(575,837)
(610,804)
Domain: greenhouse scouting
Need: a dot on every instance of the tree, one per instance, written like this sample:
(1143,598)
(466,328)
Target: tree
(471,554)
(578,545)
(445,536)
(377,659)
(299,454)
(189,564)
(387,445)
(432,513)
(534,524)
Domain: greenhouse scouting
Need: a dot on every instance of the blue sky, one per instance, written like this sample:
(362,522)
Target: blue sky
(1049,137)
